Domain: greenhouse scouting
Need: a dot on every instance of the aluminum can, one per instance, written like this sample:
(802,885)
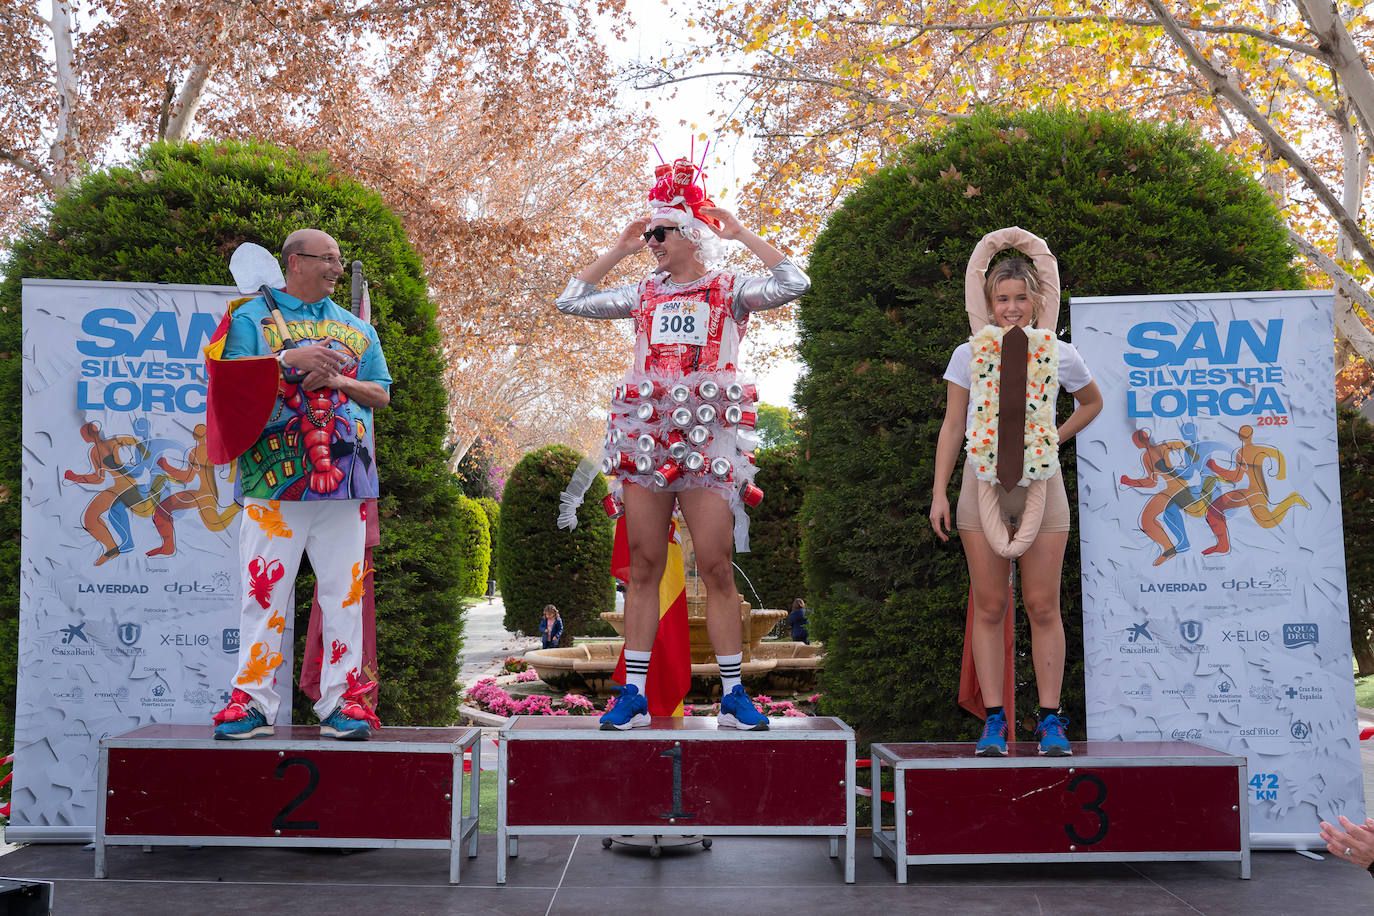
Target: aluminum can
(677,444)
(613,505)
(737,392)
(646,413)
(682,417)
(679,393)
(738,416)
(614,436)
(699,435)
(694,462)
(750,495)
(645,442)
(650,389)
(706,414)
(624,394)
(667,472)
(708,390)
(721,468)
(617,462)
(644,463)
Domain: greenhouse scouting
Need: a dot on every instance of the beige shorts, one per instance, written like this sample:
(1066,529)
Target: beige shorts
(1012,504)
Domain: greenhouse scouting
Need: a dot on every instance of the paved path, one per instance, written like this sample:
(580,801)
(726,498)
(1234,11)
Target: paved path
(486,643)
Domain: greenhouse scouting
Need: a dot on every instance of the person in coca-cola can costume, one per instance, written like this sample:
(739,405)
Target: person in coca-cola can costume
(681,424)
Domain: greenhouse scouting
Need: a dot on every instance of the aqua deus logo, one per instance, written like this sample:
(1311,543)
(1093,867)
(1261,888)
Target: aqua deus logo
(1299,634)
(229,640)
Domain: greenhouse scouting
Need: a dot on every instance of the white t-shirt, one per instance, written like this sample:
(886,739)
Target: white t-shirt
(1073,372)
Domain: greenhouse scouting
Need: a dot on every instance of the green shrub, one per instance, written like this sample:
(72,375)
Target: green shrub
(1356,438)
(543,564)
(174,215)
(493,510)
(773,563)
(1127,208)
(474,536)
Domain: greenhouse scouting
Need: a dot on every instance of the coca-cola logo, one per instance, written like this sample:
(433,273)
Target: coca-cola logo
(1186,734)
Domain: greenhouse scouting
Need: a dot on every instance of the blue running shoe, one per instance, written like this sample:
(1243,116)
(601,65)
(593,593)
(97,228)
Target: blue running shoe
(1053,741)
(344,727)
(239,719)
(994,740)
(738,711)
(631,710)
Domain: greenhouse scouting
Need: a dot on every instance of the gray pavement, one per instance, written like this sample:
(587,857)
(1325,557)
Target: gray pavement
(760,876)
(486,644)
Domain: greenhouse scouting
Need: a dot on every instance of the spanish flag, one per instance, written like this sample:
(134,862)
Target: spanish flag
(670,667)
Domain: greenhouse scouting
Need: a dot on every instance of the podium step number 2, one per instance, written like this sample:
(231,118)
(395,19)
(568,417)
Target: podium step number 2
(172,785)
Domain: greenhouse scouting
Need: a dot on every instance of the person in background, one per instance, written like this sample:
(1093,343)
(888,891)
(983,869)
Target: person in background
(550,628)
(796,619)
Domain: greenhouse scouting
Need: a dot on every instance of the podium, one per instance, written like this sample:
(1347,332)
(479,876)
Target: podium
(563,775)
(1110,801)
(174,785)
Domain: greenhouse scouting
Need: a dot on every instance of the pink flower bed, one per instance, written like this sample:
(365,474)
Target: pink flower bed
(487,695)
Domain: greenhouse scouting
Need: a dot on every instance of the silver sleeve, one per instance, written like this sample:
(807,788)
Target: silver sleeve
(784,283)
(584,300)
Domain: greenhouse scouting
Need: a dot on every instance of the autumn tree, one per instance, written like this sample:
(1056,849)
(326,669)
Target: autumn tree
(489,127)
(831,93)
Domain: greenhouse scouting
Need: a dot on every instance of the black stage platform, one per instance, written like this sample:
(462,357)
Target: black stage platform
(787,876)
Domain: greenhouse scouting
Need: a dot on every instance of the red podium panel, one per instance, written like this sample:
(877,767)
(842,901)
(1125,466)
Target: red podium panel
(175,785)
(677,776)
(1111,801)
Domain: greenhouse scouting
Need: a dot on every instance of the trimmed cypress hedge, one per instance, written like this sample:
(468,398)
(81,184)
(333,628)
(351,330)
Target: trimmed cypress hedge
(773,563)
(1127,208)
(493,510)
(474,536)
(1355,435)
(174,215)
(543,564)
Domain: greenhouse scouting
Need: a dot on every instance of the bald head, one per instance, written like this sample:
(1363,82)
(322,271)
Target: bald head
(305,240)
(312,264)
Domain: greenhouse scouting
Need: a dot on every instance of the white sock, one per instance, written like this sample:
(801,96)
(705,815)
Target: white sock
(729,671)
(637,668)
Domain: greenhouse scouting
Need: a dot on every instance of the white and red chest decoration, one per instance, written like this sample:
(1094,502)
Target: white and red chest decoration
(684,325)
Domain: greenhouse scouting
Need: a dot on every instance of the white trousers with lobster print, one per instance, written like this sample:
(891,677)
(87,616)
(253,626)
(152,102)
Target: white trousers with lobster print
(272,536)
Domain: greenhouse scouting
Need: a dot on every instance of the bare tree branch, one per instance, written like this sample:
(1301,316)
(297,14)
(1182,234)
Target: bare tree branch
(1348,324)
(1232,93)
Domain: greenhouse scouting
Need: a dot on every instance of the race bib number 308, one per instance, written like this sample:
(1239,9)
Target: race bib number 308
(680,321)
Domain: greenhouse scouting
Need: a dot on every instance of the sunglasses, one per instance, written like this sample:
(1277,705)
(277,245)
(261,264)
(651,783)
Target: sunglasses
(659,233)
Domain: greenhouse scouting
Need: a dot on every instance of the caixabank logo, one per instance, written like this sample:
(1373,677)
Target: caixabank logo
(1138,640)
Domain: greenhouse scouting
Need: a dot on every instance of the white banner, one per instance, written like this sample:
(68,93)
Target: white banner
(1214,596)
(128,588)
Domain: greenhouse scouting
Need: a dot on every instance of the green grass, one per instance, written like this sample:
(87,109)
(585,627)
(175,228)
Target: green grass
(1364,691)
(486,787)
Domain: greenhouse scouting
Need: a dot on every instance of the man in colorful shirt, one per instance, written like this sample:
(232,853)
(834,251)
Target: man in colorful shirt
(302,484)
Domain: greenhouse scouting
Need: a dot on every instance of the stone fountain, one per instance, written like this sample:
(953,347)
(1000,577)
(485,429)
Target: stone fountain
(768,667)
